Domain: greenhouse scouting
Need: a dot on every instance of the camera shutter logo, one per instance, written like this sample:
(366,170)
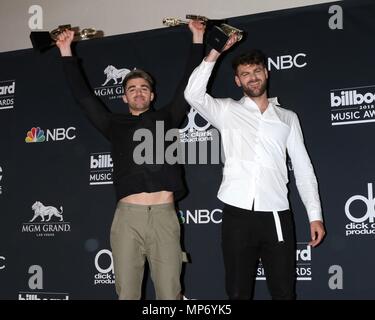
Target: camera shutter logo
(191,125)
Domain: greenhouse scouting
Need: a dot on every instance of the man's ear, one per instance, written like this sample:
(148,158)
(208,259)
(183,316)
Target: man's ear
(124,98)
(237,80)
(152,96)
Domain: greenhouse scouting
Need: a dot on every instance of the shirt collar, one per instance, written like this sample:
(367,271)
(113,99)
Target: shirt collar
(144,113)
(269,114)
(245,100)
(273,101)
(250,102)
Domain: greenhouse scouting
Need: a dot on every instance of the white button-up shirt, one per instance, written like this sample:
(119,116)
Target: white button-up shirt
(255,147)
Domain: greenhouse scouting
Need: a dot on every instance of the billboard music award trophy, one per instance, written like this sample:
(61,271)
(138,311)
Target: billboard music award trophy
(219,31)
(42,40)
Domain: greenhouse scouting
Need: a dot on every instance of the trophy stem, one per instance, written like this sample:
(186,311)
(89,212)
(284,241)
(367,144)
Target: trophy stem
(173,22)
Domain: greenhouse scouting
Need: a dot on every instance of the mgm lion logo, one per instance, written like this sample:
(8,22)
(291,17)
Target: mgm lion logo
(113,74)
(42,211)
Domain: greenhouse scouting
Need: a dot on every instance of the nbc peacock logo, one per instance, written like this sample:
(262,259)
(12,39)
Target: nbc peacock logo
(35,135)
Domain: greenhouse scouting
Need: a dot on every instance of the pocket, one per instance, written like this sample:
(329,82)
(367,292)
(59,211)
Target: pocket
(114,225)
(176,221)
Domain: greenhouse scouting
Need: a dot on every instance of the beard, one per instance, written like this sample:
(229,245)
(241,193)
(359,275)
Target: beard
(254,93)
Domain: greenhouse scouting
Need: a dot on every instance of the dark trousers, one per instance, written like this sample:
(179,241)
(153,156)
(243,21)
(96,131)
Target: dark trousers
(250,235)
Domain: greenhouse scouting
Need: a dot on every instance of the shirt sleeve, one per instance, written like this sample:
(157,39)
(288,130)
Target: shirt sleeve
(306,182)
(95,110)
(178,105)
(196,95)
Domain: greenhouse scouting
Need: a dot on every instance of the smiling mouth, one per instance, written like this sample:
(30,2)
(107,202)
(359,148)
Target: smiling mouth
(254,85)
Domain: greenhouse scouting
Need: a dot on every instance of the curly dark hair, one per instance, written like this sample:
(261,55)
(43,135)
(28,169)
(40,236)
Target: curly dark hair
(253,56)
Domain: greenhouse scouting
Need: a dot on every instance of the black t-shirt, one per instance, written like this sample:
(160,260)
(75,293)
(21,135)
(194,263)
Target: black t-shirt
(128,176)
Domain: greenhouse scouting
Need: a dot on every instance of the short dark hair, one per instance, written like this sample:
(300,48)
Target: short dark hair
(138,73)
(253,56)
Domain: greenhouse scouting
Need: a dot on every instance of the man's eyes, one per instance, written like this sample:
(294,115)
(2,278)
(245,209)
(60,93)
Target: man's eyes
(144,89)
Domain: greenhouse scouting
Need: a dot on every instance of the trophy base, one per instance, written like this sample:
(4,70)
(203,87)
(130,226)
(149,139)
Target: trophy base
(217,38)
(41,40)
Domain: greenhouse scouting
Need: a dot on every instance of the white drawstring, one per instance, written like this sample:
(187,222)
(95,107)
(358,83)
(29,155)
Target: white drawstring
(278,226)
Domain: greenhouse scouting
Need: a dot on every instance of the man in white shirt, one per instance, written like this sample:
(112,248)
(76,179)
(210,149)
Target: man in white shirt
(256,135)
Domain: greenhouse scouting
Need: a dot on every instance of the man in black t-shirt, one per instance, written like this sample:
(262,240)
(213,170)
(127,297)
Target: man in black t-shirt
(145,225)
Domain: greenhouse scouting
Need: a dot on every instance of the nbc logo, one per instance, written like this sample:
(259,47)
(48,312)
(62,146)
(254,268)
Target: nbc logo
(200,216)
(36,134)
(287,62)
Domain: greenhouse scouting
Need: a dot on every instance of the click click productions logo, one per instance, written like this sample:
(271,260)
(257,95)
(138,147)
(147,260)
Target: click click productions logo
(7,94)
(104,267)
(46,221)
(112,86)
(303,264)
(36,134)
(352,105)
(101,168)
(362,221)
(35,284)
(193,132)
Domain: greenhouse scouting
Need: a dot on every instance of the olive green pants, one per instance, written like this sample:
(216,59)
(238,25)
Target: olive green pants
(142,232)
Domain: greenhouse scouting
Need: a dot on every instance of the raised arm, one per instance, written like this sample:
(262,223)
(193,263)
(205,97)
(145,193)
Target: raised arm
(93,107)
(195,93)
(178,105)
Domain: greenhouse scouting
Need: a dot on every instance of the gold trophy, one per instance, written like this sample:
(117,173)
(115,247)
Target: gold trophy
(229,30)
(42,40)
(219,33)
(173,22)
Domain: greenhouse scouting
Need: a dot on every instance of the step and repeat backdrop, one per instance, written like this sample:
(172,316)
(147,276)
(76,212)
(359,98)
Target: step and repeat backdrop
(56,194)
